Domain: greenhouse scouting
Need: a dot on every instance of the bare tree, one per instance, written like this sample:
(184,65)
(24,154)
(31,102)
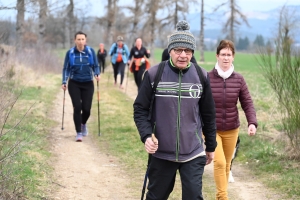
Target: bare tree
(7,8)
(153,7)
(181,6)
(42,20)
(71,21)
(137,13)
(233,20)
(20,23)
(110,19)
(201,45)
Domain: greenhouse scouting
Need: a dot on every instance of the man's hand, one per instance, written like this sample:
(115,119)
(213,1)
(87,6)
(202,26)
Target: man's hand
(97,77)
(64,86)
(151,146)
(251,130)
(148,51)
(209,157)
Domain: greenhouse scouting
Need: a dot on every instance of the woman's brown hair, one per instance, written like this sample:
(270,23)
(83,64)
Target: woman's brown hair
(226,44)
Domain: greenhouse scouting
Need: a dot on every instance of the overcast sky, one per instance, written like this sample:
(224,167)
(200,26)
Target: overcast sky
(249,7)
(246,5)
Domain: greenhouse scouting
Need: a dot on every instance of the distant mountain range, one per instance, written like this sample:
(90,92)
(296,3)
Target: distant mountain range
(263,23)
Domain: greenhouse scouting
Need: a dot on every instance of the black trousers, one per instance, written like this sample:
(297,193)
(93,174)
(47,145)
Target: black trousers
(102,64)
(119,67)
(162,174)
(138,75)
(81,94)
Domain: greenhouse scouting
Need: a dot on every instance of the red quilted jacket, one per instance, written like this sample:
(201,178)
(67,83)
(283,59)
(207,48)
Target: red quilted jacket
(226,94)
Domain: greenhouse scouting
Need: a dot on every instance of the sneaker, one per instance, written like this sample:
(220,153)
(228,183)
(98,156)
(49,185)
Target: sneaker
(79,137)
(84,130)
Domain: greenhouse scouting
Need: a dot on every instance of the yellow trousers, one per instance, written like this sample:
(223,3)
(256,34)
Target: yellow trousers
(223,154)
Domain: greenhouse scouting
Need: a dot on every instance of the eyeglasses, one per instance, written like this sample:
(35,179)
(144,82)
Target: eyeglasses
(224,55)
(187,51)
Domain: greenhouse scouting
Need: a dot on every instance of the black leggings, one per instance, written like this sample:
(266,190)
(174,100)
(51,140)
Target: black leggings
(119,67)
(138,75)
(102,64)
(81,94)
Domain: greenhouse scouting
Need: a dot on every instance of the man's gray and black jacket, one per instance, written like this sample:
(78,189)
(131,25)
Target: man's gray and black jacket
(182,110)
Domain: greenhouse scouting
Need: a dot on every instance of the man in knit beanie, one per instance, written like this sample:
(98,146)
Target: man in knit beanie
(182,37)
(171,120)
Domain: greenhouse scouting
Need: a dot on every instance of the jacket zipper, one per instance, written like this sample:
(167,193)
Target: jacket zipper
(178,116)
(224,108)
(80,61)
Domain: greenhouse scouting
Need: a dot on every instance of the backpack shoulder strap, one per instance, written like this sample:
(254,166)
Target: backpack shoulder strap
(158,75)
(200,74)
(91,55)
(71,56)
(157,78)
(115,47)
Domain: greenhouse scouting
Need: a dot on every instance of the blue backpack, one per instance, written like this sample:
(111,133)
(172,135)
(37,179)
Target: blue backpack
(76,60)
(114,51)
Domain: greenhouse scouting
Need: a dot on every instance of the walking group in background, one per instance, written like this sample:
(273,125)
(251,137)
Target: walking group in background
(179,106)
(136,59)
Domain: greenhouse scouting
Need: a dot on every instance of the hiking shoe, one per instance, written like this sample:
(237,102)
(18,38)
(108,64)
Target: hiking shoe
(79,137)
(84,130)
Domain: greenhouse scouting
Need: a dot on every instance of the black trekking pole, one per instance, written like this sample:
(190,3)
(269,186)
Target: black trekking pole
(146,176)
(127,78)
(63,114)
(154,139)
(98,95)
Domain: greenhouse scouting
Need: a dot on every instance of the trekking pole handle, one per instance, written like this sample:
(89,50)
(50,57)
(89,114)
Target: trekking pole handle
(154,139)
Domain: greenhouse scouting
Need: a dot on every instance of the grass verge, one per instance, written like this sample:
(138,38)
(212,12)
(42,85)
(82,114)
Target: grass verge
(29,168)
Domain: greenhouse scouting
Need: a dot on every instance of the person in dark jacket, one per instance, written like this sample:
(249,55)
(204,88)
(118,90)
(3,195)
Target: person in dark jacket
(228,87)
(80,68)
(183,108)
(101,55)
(139,62)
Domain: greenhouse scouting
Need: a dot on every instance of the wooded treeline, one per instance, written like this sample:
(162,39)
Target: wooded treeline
(53,23)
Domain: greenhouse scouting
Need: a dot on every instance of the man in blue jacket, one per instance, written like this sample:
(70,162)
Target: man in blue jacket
(183,108)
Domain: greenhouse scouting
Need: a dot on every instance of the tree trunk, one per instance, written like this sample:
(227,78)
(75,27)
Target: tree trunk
(154,6)
(71,22)
(111,10)
(42,21)
(20,24)
(232,20)
(201,46)
(137,15)
(176,14)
